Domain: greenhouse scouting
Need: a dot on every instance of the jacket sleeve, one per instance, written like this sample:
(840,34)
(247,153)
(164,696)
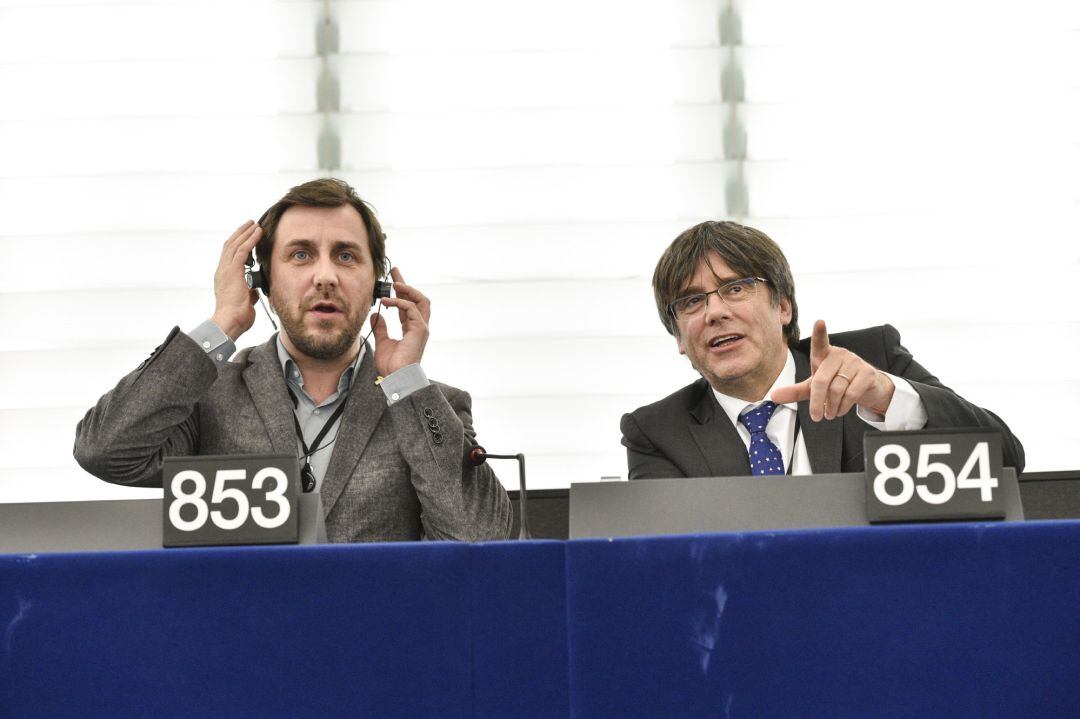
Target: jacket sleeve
(643,459)
(149,415)
(944,408)
(458,501)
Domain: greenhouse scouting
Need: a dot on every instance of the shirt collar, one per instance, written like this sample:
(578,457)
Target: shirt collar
(293,375)
(733,406)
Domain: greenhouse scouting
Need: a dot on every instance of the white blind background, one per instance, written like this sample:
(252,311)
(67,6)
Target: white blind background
(917,162)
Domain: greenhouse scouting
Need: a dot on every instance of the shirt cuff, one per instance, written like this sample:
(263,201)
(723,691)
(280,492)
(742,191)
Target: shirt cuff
(906,410)
(213,341)
(399,385)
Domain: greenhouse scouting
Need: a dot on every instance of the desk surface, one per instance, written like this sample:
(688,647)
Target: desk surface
(950,620)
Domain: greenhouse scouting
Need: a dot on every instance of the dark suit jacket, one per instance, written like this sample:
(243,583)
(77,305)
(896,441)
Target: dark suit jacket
(687,434)
(390,477)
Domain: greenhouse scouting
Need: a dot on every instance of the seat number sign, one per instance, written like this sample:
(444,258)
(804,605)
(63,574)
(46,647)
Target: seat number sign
(230,500)
(933,475)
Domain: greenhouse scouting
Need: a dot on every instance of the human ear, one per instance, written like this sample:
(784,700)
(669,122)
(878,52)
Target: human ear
(785,311)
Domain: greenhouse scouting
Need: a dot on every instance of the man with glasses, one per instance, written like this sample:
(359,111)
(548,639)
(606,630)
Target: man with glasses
(768,403)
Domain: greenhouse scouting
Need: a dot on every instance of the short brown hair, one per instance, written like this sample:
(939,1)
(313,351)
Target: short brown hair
(324,192)
(749,252)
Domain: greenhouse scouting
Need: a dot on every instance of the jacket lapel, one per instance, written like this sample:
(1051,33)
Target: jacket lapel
(363,410)
(717,438)
(266,383)
(825,439)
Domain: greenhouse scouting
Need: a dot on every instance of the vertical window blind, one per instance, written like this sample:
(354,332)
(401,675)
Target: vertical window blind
(134,137)
(530,161)
(918,163)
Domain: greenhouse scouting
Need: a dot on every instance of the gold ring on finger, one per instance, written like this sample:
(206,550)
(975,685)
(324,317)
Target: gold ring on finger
(841,374)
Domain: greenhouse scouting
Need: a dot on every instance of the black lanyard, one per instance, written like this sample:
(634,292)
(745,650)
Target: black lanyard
(794,442)
(307,476)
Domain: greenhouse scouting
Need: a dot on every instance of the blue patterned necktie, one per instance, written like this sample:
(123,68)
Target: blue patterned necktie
(765,458)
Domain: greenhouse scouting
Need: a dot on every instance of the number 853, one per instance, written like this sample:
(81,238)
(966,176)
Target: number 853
(222,493)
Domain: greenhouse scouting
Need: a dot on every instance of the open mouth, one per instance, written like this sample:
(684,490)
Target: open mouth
(324,309)
(724,341)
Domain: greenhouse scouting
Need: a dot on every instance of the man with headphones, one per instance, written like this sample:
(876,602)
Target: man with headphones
(382,444)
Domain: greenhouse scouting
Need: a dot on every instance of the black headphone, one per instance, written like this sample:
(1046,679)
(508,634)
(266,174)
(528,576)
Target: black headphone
(259,279)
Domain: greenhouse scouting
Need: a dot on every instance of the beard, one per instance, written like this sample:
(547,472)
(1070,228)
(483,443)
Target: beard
(325,345)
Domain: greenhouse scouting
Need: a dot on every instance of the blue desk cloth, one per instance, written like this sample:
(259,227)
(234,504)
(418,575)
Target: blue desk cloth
(933,620)
(929,621)
(396,630)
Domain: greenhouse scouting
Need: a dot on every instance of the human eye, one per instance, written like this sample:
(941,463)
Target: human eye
(690,303)
(301,255)
(738,288)
(346,256)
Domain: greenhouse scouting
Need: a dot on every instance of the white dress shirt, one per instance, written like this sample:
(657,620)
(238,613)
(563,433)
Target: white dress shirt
(906,412)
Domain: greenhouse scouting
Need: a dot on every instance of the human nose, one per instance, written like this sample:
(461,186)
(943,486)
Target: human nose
(715,307)
(325,276)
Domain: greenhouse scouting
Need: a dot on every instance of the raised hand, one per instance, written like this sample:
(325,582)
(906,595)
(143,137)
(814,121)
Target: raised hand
(414,312)
(234,310)
(839,380)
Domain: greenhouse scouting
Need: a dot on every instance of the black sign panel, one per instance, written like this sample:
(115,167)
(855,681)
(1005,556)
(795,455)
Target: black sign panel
(215,500)
(933,475)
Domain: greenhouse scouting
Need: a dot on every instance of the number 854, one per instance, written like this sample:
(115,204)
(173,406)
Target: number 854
(978,459)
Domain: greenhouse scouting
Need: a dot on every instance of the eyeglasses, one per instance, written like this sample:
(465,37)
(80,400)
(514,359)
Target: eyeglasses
(731,293)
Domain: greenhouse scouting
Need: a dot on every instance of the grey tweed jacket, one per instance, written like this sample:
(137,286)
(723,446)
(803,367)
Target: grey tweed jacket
(390,477)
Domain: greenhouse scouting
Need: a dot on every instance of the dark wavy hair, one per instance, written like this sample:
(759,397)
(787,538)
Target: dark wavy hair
(324,192)
(749,252)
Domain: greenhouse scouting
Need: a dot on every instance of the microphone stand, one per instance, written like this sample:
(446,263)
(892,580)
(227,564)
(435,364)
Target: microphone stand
(478,456)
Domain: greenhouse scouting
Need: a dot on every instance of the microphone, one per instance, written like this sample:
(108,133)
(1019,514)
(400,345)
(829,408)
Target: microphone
(478,455)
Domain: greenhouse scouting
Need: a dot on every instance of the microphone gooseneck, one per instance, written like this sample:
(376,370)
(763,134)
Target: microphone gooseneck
(478,455)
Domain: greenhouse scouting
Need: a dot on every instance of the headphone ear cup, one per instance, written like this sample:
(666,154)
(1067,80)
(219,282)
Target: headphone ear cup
(384,286)
(256,279)
(262,281)
(382,289)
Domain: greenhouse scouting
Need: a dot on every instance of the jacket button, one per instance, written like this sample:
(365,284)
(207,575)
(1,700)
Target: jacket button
(437,437)
(428,413)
